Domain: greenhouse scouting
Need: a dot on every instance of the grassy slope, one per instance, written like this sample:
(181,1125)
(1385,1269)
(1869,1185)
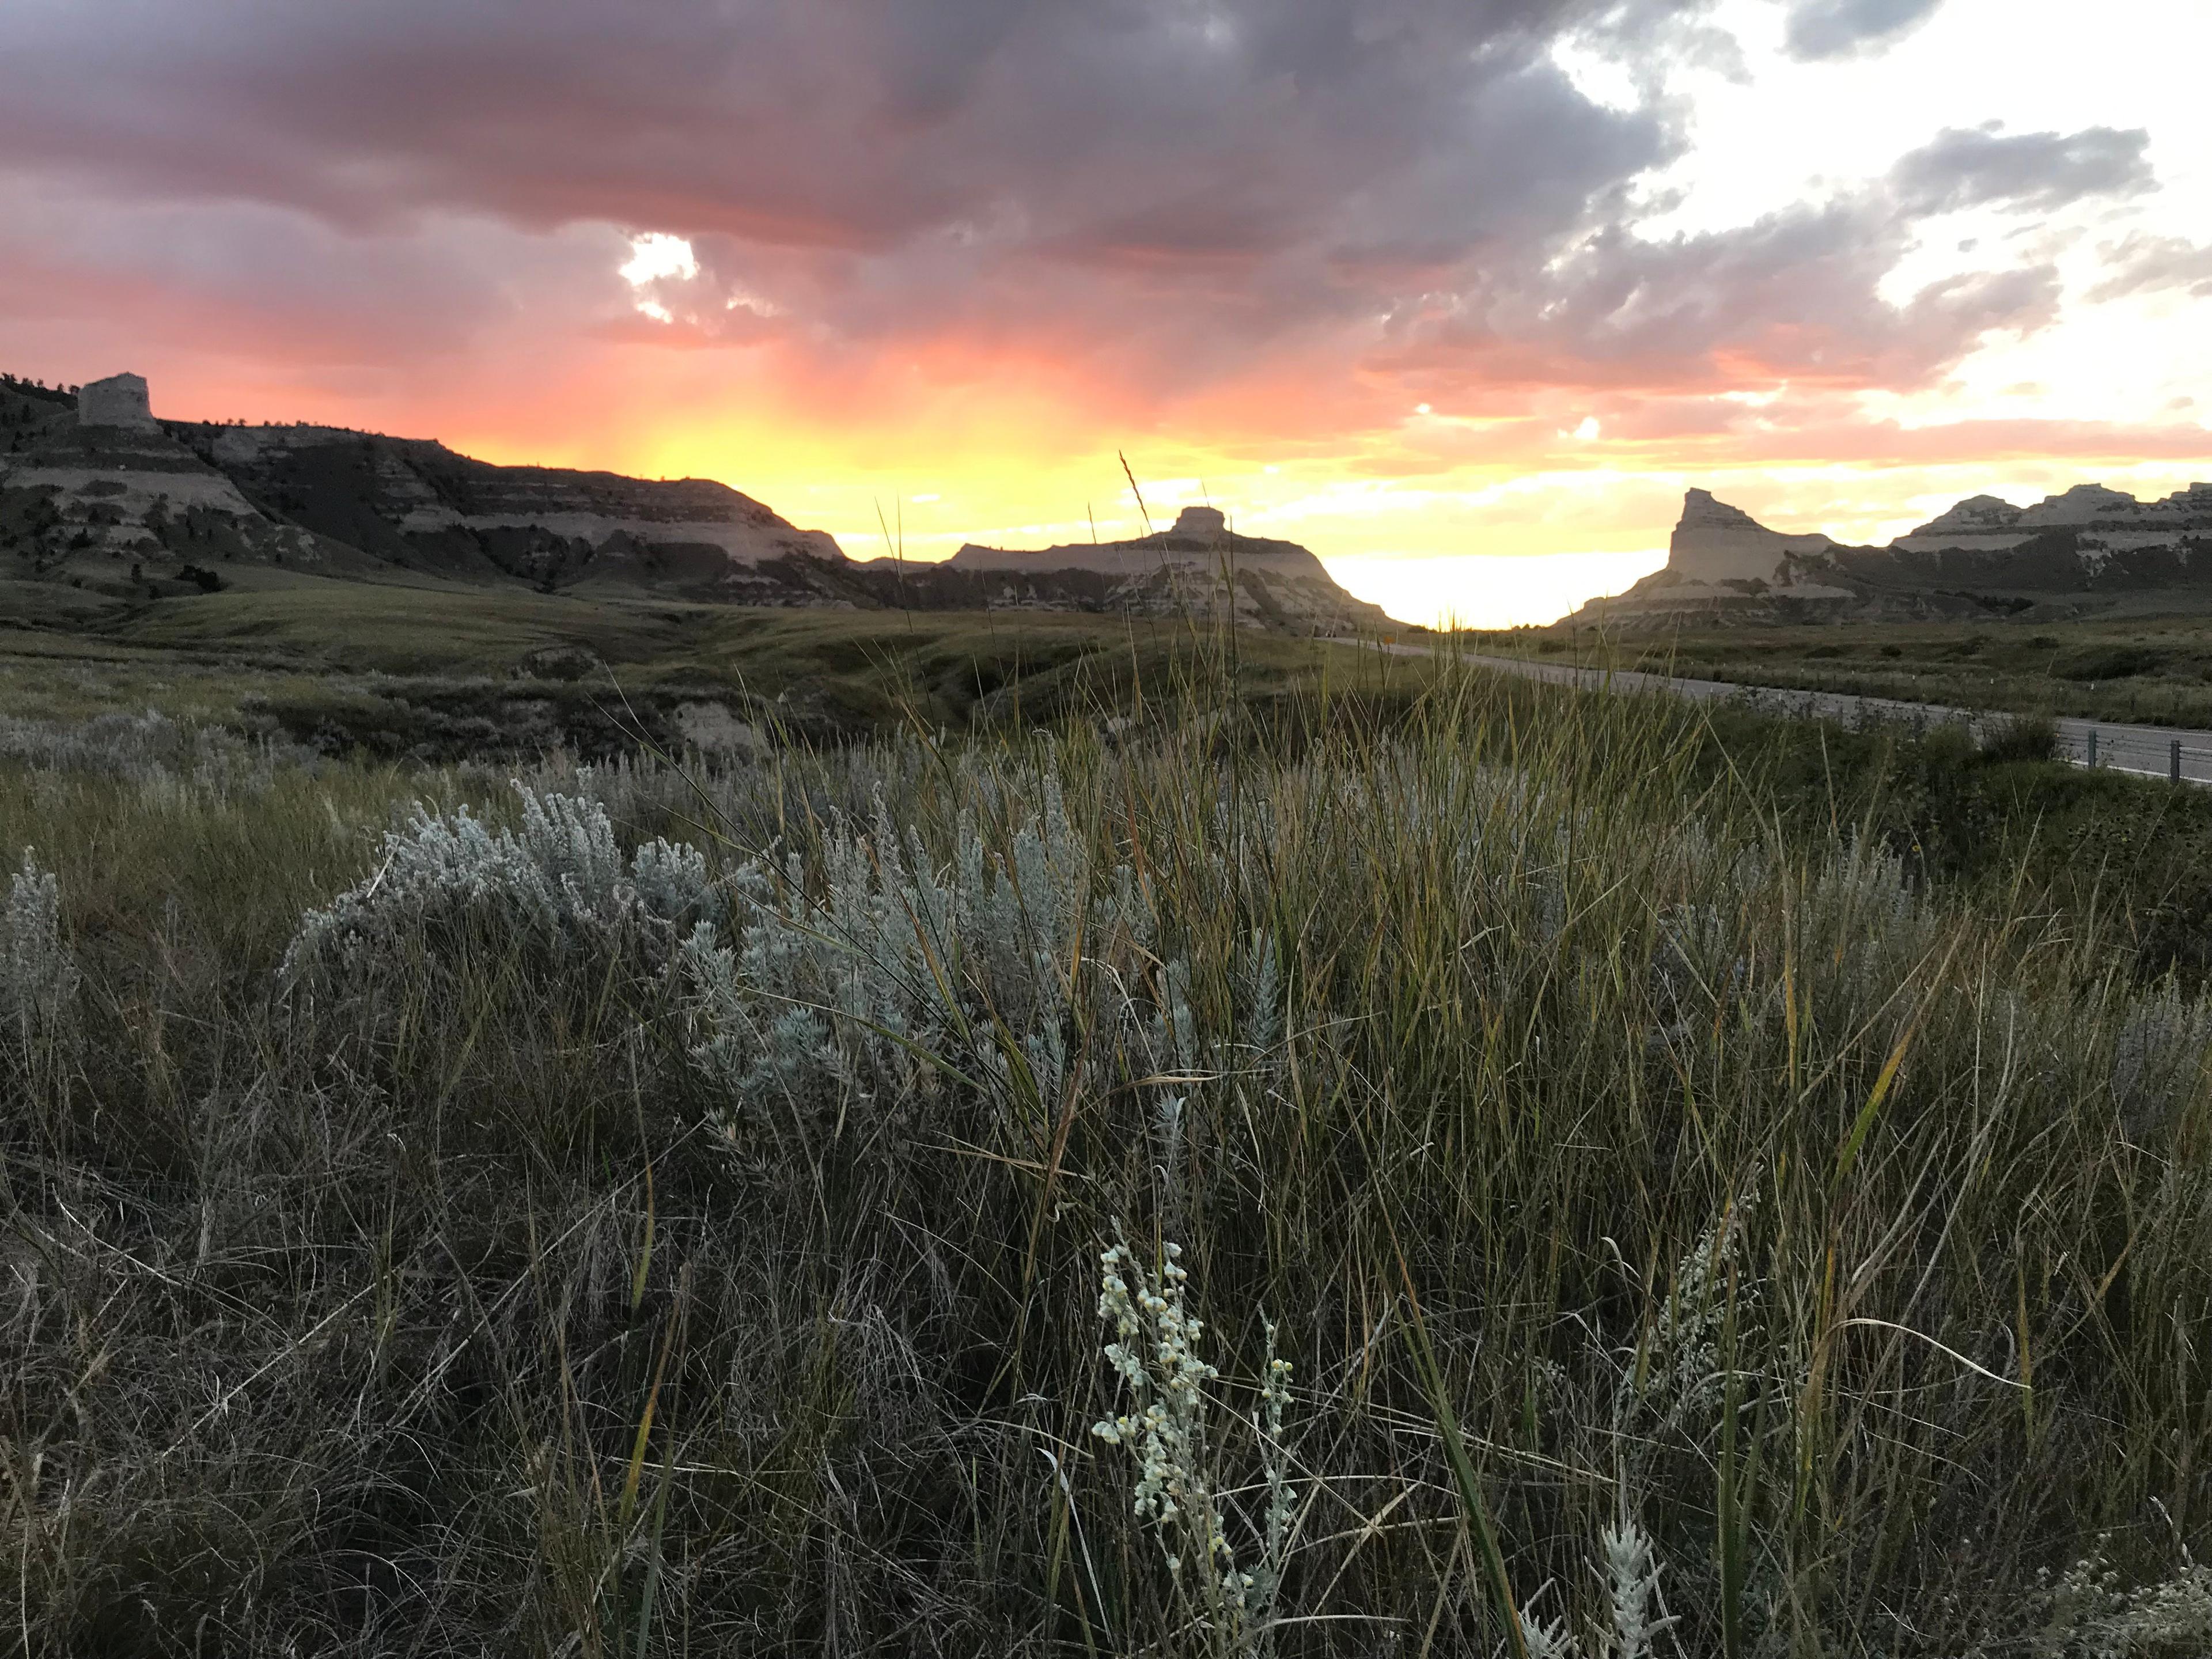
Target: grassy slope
(442,669)
(2154,669)
(428,1316)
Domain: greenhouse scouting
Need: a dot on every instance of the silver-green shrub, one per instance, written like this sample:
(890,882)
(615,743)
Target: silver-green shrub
(887,977)
(2089,1613)
(2157,1059)
(38,975)
(562,875)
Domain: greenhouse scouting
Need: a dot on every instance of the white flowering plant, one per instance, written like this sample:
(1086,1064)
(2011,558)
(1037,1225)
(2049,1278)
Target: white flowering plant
(1166,1427)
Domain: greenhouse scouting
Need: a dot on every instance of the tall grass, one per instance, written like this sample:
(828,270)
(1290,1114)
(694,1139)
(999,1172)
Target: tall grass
(1663,1216)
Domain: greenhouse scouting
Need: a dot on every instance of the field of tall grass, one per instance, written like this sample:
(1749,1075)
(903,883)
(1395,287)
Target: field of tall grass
(1477,1181)
(2119,666)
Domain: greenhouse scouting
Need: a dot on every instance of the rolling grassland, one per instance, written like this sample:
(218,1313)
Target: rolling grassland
(1478,1170)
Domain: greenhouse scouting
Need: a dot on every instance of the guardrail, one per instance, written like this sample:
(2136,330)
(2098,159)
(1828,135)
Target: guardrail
(2128,751)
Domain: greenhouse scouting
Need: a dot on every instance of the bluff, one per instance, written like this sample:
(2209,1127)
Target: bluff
(1197,565)
(98,492)
(2087,549)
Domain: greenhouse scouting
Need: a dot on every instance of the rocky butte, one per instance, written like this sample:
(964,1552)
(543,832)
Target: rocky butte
(1194,566)
(97,492)
(2090,549)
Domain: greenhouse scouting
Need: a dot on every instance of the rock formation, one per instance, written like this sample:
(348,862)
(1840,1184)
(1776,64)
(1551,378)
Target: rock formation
(2087,549)
(1716,543)
(1197,565)
(95,494)
(106,496)
(119,401)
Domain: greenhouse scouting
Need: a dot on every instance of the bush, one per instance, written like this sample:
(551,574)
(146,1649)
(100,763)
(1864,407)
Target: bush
(38,977)
(2020,737)
(2108,662)
(562,881)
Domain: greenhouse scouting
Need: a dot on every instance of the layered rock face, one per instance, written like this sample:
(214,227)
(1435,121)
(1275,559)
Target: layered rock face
(1197,565)
(102,495)
(1716,543)
(89,495)
(106,496)
(2085,549)
(119,401)
(415,503)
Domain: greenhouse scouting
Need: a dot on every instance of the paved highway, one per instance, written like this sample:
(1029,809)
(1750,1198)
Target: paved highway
(2145,749)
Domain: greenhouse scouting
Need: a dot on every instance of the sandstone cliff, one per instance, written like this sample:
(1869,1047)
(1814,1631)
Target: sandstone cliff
(97,492)
(2089,548)
(1197,565)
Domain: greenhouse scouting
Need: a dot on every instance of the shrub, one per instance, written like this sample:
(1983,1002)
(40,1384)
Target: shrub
(462,1335)
(2020,737)
(2107,662)
(1169,1431)
(885,981)
(38,977)
(561,880)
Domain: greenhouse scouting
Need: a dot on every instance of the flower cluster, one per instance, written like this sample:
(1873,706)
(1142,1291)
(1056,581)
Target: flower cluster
(1166,1425)
(1156,1355)
(2089,1614)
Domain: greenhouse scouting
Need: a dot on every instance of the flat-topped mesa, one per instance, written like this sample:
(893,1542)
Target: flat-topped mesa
(1186,567)
(1714,542)
(1199,524)
(119,401)
(1198,540)
(2084,503)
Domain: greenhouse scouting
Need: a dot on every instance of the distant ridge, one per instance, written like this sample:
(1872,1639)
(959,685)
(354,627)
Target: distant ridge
(2087,549)
(98,492)
(1277,584)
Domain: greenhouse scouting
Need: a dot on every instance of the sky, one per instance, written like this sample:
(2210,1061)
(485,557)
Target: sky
(1462,294)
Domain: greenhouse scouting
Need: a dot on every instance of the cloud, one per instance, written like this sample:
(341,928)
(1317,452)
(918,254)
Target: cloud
(835,123)
(1845,28)
(1188,183)
(2143,264)
(1792,297)
(2025,171)
(1280,222)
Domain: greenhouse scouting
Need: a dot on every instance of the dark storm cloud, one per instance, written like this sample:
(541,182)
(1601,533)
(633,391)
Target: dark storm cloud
(1843,28)
(2026,172)
(1169,191)
(841,123)
(1227,168)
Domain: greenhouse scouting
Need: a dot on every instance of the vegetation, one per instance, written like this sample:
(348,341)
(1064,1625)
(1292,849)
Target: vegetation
(440,672)
(1453,1167)
(2156,670)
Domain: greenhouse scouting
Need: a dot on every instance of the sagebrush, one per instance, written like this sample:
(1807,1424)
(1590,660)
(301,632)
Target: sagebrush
(660,1209)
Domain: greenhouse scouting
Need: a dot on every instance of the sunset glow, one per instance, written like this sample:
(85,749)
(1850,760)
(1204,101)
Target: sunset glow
(1464,302)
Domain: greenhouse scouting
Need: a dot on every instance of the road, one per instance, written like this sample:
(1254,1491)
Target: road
(2143,749)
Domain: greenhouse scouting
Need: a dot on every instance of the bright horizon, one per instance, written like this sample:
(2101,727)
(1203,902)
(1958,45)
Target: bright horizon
(1462,298)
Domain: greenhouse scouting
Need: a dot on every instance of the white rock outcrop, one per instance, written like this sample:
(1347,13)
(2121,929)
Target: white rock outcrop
(1714,542)
(119,401)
